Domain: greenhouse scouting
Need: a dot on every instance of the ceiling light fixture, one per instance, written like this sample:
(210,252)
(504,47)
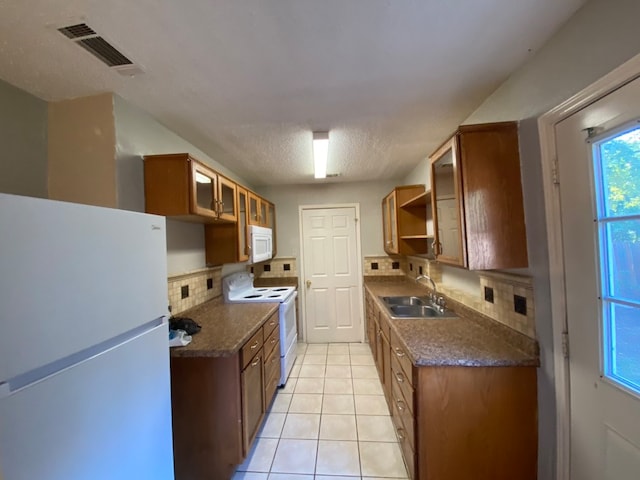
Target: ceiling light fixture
(320,153)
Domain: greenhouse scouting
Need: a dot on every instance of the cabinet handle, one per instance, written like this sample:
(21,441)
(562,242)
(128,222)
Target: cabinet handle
(400,433)
(399,377)
(379,333)
(400,404)
(272,323)
(252,347)
(256,362)
(399,353)
(273,340)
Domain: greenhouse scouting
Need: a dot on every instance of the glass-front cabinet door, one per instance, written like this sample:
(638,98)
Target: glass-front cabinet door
(446,189)
(254,209)
(203,190)
(258,210)
(271,223)
(390,223)
(243,222)
(227,199)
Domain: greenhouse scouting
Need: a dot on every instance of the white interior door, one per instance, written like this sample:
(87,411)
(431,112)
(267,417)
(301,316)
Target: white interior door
(332,280)
(600,198)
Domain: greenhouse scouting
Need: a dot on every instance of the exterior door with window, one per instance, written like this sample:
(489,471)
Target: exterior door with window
(333,290)
(599,173)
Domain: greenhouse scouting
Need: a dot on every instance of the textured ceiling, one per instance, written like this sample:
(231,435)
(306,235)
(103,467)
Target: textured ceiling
(247,81)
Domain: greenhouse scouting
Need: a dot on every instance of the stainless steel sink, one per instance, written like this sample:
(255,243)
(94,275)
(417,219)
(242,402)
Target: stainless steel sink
(405,301)
(414,307)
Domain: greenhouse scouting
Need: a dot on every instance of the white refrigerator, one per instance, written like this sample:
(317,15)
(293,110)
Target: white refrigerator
(84,355)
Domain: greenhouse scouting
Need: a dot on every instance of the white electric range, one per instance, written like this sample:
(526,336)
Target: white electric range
(238,288)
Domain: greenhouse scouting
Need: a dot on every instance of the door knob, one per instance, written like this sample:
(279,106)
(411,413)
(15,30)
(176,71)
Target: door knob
(308,283)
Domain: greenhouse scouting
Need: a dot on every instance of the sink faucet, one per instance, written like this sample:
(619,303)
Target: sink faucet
(433,284)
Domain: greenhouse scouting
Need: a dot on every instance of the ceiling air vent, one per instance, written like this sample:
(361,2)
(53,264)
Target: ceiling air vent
(86,37)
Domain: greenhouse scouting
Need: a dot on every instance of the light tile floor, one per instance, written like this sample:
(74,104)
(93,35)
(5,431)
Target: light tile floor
(330,422)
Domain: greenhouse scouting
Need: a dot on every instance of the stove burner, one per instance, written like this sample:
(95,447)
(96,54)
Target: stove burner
(252,296)
(279,289)
(275,296)
(261,289)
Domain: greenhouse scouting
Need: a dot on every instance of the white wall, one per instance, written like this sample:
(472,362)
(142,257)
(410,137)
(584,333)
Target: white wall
(23,137)
(597,39)
(289,197)
(139,134)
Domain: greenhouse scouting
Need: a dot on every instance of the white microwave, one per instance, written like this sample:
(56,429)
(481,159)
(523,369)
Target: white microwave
(260,243)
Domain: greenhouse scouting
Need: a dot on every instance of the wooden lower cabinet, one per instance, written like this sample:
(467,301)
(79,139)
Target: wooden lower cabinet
(218,405)
(253,402)
(457,423)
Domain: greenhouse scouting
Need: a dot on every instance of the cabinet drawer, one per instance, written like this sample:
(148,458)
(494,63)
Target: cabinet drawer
(251,348)
(400,354)
(402,416)
(272,341)
(405,439)
(401,382)
(270,324)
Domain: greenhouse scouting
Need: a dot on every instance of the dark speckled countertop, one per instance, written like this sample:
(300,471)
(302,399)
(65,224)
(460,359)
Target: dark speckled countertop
(470,340)
(225,327)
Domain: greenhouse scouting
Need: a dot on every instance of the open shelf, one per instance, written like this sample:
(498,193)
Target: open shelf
(421,200)
(416,237)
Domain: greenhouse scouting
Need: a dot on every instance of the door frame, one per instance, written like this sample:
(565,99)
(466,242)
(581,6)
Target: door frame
(303,287)
(617,78)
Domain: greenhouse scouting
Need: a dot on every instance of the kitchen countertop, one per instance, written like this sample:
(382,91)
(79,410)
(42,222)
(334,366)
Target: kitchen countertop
(470,340)
(225,327)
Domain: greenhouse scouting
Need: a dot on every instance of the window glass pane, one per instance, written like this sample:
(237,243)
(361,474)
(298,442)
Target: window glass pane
(622,272)
(624,348)
(620,157)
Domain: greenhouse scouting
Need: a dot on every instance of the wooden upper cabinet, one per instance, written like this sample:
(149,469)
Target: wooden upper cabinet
(405,220)
(179,186)
(390,223)
(271,223)
(228,243)
(258,210)
(477,198)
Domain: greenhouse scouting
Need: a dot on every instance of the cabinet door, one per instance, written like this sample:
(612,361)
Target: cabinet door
(226,200)
(203,190)
(446,194)
(386,367)
(271,223)
(254,209)
(390,223)
(263,212)
(243,222)
(252,400)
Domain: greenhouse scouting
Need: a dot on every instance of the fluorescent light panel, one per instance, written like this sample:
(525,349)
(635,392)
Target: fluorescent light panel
(320,153)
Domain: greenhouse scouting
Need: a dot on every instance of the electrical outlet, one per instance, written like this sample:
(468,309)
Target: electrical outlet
(420,270)
(374,265)
(209,283)
(184,291)
(488,294)
(520,304)
(286,267)
(411,267)
(266,268)
(395,265)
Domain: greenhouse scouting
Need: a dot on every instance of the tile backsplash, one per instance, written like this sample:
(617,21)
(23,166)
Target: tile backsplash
(276,268)
(190,289)
(383,265)
(512,295)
